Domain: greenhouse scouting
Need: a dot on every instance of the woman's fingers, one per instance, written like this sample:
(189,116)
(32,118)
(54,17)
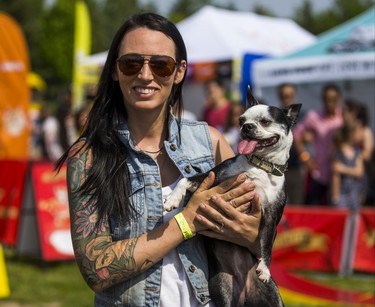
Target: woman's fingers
(207,182)
(229,184)
(222,221)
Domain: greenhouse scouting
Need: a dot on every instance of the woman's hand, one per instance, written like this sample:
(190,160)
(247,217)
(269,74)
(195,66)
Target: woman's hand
(237,225)
(229,211)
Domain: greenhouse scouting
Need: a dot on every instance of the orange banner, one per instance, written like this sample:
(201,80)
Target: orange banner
(14,91)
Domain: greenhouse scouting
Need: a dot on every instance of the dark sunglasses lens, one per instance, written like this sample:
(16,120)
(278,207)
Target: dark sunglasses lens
(130,64)
(163,66)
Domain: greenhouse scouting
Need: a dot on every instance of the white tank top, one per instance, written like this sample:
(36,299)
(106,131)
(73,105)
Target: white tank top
(175,289)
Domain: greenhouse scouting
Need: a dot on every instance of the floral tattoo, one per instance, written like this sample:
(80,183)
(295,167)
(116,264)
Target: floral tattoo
(102,262)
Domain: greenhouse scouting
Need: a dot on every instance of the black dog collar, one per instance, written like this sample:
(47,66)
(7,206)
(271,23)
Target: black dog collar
(272,168)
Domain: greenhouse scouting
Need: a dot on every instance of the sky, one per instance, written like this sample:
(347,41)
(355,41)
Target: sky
(281,8)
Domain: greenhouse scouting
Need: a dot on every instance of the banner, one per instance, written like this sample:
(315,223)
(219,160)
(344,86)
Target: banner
(82,46)
(310,238)
(4,285)
(52,210)
(12,181)
(365,250)
(331,67)
(14,91)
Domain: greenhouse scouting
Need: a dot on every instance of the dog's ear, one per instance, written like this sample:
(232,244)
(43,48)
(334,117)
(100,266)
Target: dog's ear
(292,112)
(250,99)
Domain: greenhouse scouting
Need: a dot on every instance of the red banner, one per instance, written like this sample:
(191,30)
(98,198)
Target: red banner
(310,238)
(365,250)
(52,212)
(12,181)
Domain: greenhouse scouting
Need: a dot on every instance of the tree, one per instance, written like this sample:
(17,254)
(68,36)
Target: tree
(262,10)
(341,11)
(56,43)
(184,8)
(29,15)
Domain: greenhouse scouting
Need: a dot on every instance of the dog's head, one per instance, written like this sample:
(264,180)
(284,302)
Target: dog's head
(266,130)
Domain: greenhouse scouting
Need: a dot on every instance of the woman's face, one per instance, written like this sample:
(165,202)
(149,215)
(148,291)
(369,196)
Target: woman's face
(331,99)
(144,90)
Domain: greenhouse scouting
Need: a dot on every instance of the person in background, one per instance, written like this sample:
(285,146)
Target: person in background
(294,177)
(66,118)
(217,106)
(321,124)
(231,130)
(51,136)
(134,150)
(347,169)
(347,187)
(356,113)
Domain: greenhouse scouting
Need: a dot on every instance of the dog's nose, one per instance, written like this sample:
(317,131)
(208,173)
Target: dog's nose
(248,127)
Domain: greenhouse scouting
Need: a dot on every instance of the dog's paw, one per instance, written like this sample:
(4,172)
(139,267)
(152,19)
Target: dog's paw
(170,203)
(263,272)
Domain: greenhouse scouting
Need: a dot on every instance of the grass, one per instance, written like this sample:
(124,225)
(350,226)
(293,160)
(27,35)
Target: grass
(35,283)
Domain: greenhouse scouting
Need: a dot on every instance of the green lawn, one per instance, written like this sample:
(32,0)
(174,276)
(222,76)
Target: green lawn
(35,283)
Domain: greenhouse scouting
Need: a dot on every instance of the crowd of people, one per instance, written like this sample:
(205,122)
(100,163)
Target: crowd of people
(55,128)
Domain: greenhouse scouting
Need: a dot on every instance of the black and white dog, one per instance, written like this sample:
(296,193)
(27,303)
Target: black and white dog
(266,138)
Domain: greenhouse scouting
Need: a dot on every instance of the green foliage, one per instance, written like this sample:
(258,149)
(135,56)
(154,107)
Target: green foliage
(29,15)
(262,10)
(319,22)
(56,42)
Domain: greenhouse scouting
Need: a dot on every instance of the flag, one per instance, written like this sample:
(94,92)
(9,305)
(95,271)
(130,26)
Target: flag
(82,47)
(14,91)
(4,285)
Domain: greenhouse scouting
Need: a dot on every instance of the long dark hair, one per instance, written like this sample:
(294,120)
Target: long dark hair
(107,185)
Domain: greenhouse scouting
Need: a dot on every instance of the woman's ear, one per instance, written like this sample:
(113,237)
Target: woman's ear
(181,70)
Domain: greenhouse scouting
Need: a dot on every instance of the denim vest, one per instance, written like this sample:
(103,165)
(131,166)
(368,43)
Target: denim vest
(191,150)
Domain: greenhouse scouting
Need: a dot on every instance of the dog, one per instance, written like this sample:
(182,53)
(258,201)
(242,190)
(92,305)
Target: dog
(238,278)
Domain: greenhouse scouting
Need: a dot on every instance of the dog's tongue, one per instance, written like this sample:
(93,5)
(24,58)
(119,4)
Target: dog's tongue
(246,147)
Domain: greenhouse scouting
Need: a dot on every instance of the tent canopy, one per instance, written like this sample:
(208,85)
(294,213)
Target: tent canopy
(213,34)
(346,52)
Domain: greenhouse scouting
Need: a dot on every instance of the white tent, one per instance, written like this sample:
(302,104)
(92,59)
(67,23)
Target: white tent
(213,34)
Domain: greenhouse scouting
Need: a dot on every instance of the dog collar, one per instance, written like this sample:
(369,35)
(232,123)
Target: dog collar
(272,168)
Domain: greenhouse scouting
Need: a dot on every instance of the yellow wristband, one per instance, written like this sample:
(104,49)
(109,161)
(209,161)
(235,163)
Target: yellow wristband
(184,226)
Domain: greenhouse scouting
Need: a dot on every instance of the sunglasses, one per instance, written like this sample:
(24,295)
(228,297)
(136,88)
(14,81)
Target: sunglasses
(161,65)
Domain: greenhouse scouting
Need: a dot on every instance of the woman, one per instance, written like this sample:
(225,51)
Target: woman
(133,150)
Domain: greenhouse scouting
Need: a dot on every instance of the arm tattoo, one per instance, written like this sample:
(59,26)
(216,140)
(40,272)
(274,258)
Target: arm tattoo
(101,261)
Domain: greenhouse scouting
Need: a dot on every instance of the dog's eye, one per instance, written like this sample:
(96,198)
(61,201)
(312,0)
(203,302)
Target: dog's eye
(265,122)
(242,121)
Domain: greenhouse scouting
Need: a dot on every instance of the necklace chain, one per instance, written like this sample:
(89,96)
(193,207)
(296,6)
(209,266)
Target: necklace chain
(152,152)
(149,151)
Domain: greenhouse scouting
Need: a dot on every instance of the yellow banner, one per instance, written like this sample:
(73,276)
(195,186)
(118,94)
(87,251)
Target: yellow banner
(82,46)
(14,91)
(4,286)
